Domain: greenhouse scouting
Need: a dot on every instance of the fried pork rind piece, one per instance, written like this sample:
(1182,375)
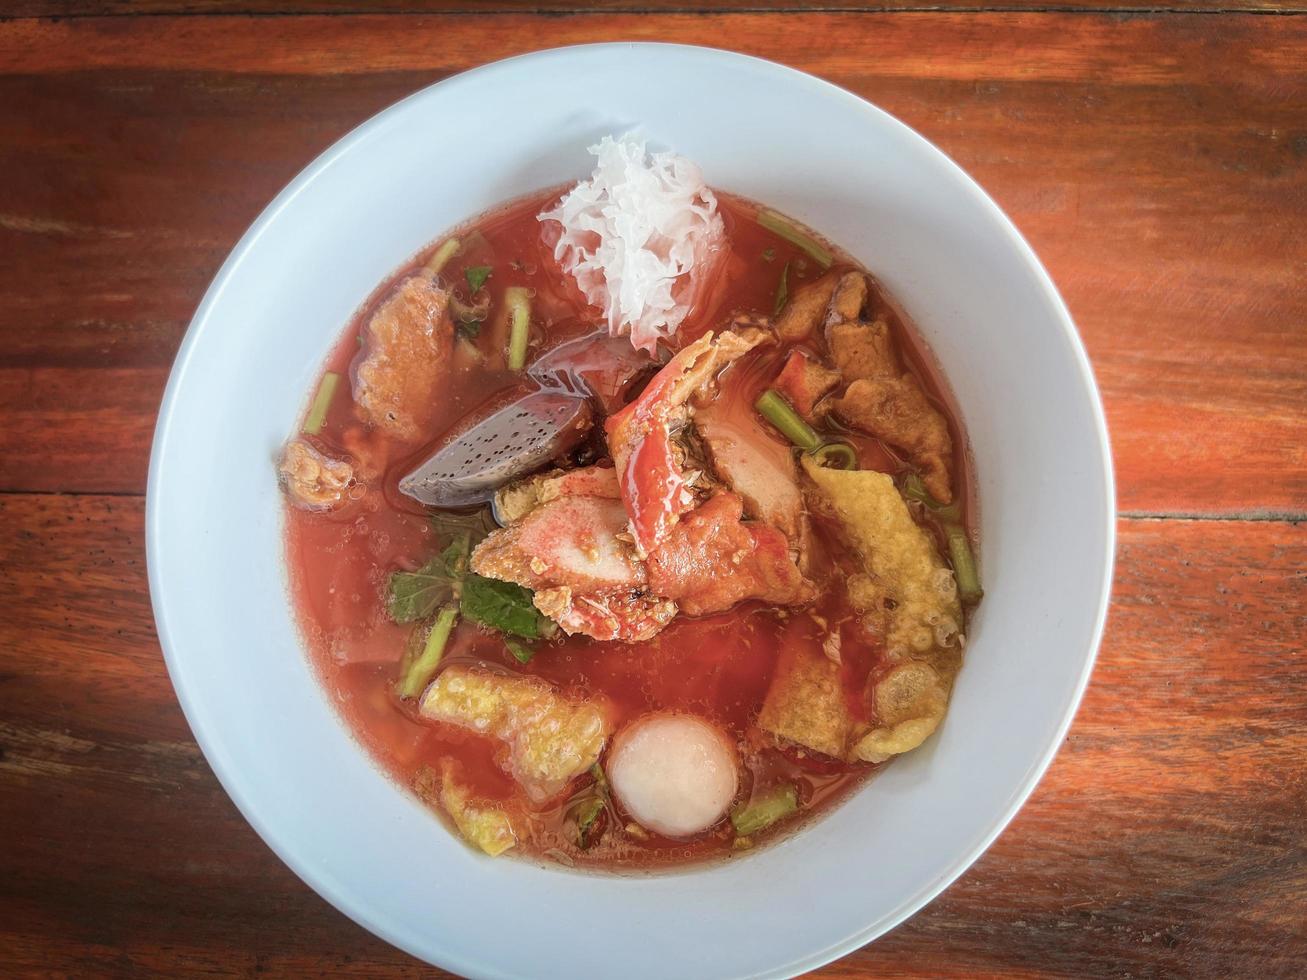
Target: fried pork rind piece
(806,308)
(314,481)
(550,738)
(923,631)
(805,703)
(882,398)
(631,617)
(407,346)
(484,825)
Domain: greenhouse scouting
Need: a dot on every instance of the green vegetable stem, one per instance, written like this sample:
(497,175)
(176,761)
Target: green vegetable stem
(772,406)
(778,224)
(518,301)
(418,673)
(765,810)
(782,290)
(440,259)
(321,403)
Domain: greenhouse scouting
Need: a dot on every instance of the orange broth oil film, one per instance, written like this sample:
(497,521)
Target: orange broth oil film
(717,666)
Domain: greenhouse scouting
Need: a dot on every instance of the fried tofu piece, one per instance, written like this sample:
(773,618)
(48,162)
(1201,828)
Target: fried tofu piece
(869,598)
(630,617)
(887,402)
(834,297)
(550,738)
(806,308)
(805,703)
(804,382)
(407,347)
(484,825)
(863,350)
(897,411)
(712,560)
(579,542)
(924,625)
(312,480)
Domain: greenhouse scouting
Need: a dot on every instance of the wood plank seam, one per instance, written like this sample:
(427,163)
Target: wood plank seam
(943,8)
(1272,516)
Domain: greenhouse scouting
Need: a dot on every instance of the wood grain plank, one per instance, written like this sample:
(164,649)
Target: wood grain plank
(1168,839)
(1157,164)
(114,8)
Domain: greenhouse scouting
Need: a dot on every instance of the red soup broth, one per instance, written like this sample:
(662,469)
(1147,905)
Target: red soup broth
(717,666)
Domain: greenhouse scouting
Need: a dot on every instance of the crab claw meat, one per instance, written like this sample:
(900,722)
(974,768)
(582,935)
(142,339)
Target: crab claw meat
(654,487)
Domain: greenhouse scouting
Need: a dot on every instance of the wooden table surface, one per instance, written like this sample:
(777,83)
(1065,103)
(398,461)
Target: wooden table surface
(1153,151)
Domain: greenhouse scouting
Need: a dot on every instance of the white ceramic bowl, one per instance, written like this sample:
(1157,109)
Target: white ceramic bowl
(944,250)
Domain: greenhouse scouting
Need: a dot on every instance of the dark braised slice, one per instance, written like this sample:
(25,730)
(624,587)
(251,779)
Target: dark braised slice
(519,438)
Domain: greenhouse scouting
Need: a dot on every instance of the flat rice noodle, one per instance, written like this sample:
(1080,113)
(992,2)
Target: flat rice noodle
(642,237)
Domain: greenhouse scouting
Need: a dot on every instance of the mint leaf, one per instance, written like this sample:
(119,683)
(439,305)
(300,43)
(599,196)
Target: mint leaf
(500,605)
(477,276)
(476,526)
(411,596)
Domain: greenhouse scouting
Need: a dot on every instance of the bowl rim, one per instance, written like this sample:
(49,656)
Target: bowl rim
(336,893)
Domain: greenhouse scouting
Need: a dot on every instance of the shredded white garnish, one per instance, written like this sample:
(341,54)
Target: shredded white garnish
(640,237)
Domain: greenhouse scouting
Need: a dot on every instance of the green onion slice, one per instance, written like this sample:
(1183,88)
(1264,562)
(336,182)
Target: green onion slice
(780,225)
(321,403)
(782,291)
(837,456)
(418,674)
(964,565)
(518,301)
(447,251)
(765,810)
(914,489)
(772,406)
